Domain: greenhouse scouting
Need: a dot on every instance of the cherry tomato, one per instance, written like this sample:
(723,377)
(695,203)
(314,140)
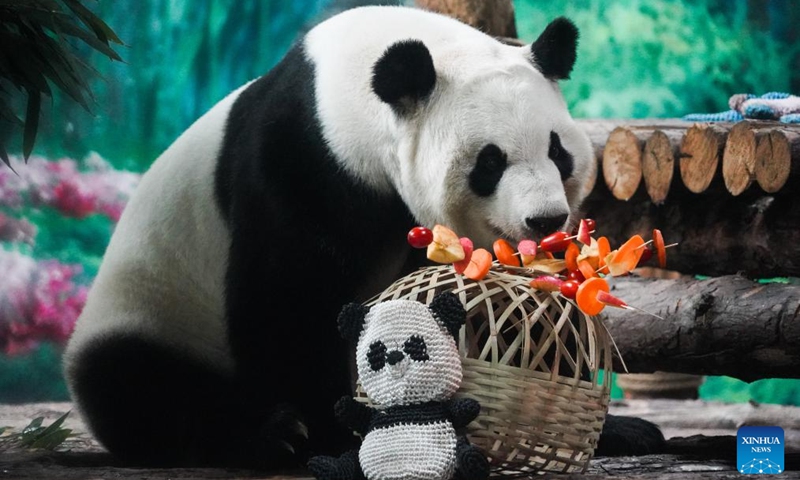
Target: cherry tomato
(576,275)
(420,237)
(570,288)
(555,242)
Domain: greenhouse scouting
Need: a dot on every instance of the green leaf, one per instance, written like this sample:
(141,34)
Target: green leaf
(36,423)
(7,161)
(98,26)
(52,439)
(3,429)
(31,122)
(55,425)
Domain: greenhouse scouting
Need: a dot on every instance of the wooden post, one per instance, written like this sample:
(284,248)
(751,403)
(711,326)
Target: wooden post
(700,153)
(739,158)
(774,153)
(622,161)
(658,162)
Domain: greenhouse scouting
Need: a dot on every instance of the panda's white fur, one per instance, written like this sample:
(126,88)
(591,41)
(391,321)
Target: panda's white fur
(219,227)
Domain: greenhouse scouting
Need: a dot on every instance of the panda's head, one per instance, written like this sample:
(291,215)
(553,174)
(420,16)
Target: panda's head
(406,351)
(486,144)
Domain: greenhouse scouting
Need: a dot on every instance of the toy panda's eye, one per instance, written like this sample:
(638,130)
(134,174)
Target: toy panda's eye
(377,355)
(488,170)
(416,349)
(560,157)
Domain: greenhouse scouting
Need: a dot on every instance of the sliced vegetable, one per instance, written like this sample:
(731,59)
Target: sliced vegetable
(571,256)
(479,264)
(603,249)
(547,265)
(586,269)
(586,296)
(658,240)
(627,256)
(505,253)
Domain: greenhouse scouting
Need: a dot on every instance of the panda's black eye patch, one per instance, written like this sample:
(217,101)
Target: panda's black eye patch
(416,349)
(488,170)
(560,156)
(376,355)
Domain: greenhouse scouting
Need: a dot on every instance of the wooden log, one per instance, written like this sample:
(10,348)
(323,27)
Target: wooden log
(658,162)
(723,326)
(739,158)
(495,18)
(701,150)
(622,161)
(774,154)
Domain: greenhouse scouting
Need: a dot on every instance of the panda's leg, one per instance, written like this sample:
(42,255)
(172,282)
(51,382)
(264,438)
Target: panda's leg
(148,404)
(345,467)
(629,436)
(471,463)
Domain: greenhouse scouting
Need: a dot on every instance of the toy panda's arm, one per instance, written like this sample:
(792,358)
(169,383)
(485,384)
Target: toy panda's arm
(353,415)
(462,411)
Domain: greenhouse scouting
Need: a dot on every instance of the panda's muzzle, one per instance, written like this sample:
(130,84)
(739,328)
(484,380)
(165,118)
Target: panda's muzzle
(394,357)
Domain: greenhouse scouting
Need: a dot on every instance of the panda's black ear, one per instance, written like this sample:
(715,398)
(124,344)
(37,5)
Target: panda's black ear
(447,309)
(351,321)
(404,75)
(555,50)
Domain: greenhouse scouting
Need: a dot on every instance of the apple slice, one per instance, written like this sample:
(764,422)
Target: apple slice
(445,247)
(527,250)
(479,264)
(468,247)
(583,233)
(547,283)
(547,265)
(505,253)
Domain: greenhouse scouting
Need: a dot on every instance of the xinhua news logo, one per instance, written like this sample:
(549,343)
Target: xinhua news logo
(759,450)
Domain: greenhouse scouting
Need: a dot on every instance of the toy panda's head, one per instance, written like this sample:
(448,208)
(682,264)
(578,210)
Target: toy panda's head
(485,143)
(406,351)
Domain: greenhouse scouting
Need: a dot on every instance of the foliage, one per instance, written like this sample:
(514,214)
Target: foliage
(638,58)
(35,436)
(36,54)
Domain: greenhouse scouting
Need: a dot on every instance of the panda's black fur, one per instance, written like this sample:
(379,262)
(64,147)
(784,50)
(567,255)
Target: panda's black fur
(306,237)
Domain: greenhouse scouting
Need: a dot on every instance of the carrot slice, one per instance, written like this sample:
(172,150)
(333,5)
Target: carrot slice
(603,249)
(479,264)
(587,295)
(462,265)
(571,256)
(586,269)
(658,240)
(505,253)
(627,257)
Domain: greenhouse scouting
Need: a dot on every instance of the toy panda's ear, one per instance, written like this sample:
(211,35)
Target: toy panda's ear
(447,309)
(555,50)
(404,75)
(351,321)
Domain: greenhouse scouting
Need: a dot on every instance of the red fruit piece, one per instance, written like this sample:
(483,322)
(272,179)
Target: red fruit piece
(527,247)
(555,242)
(647,254)
(479,264)
(420,237)
(610,300)
(570,288)
(591,224)
(583,233)
(576,275)
(548,283)
(462,265)
(505,253)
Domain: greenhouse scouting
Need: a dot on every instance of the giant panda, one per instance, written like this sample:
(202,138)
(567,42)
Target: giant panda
(209,334)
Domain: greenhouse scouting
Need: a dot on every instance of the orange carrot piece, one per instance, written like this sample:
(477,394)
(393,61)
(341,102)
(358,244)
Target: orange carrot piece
(586,269)
(658,240)
(479,264)
(587,295)
(571,256)
(627,256)
(603,249)
(505,253)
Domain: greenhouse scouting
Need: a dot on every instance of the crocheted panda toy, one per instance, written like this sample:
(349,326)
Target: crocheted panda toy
(408,363)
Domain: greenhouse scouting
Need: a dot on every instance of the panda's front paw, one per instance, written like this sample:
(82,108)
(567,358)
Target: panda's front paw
(623,436)
(471,463)
(345,467)
(285,433)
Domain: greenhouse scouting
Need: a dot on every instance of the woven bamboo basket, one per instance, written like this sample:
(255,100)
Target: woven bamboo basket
(537,365)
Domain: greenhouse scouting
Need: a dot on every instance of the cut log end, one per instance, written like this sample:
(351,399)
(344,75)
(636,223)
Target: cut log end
(658,165)
(700,153)
(622,163)
(739,158)
(774,159)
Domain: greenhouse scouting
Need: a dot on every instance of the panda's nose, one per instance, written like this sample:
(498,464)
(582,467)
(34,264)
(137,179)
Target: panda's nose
(394,357)
(546,225)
